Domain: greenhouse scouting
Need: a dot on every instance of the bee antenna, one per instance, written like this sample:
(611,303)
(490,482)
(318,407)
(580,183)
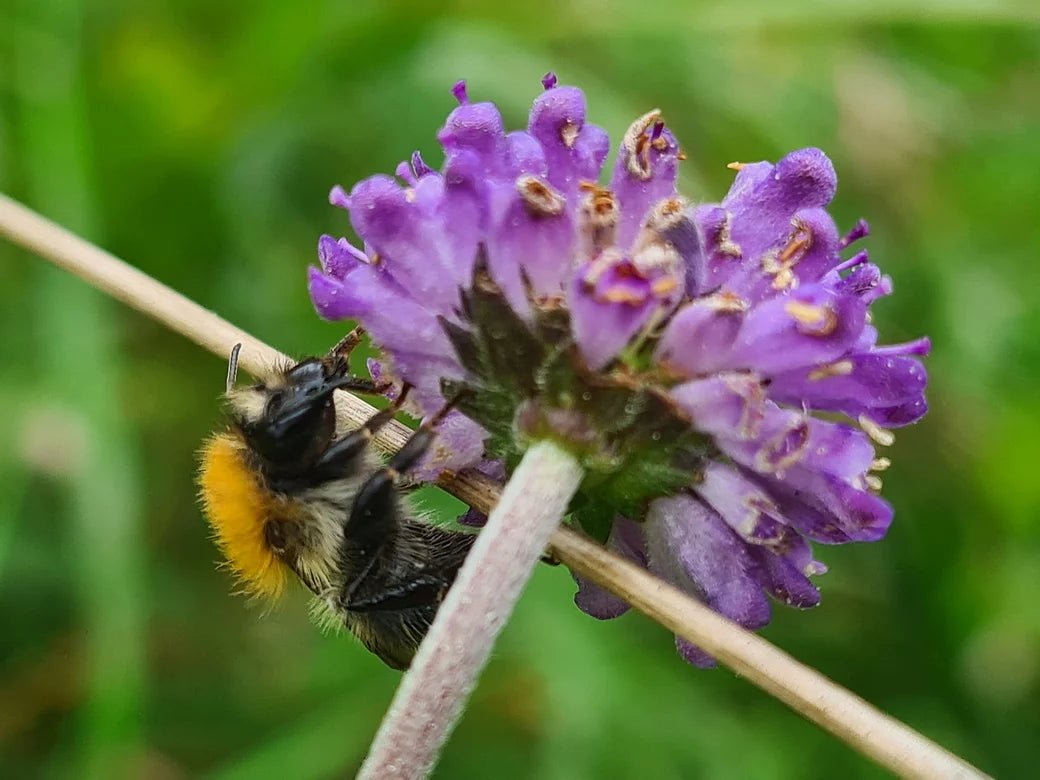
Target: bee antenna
(232,367)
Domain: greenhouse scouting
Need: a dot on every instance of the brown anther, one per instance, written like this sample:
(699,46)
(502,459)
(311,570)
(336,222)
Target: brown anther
(726,244)
(797,245)
(621,295)
(654,256)
(569,134)
(598,219)
(840,368)
(540,198)
(785,279)
(664,286)
(820,319)
(680,155)
(665,216)
(726,301)
(635,143)
(600,266)
(375,259)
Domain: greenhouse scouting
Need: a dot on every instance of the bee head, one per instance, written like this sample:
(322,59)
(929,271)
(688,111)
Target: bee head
(288,419)
(280,427)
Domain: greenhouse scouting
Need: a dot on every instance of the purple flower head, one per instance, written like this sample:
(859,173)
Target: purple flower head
(682,352)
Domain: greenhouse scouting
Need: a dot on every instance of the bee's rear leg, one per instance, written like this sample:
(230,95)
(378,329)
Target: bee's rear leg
(374,515)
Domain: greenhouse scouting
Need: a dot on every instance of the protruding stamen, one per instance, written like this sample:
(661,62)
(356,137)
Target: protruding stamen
(634,144)
(655,257)
(880,464)
(664,287)
(569,134)
(726,301)
(665,215)
(813,568)
(736,166)
(839,368)
(549,80)
(780,264)
(873,483)
(459,91)
(797,245)
(785,279)
(726,244)
(882,436)
(860,230)
(598,219)
(820,320)
(600,266)
(540,198)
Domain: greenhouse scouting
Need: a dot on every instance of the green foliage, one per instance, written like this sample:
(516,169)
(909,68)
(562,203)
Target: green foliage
(199,139)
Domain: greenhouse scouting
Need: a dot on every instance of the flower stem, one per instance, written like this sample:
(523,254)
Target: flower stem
(435,689)
(890,743)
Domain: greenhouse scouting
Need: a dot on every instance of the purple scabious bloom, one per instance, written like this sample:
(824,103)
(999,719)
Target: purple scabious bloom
(681,352)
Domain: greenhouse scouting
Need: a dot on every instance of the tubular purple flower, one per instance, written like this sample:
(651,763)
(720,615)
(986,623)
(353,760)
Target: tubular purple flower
(681,352)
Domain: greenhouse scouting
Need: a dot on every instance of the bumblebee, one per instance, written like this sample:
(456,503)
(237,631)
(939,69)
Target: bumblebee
(288,489)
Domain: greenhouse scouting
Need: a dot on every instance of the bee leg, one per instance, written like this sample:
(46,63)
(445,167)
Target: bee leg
(343,451)
(357,384)
(374,517)
(347,344)
(550,559)
(412,594)
(420,441)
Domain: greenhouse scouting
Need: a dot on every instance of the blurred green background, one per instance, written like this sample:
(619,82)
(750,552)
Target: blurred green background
(198,139)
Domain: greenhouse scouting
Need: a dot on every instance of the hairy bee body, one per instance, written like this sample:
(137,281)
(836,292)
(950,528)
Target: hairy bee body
(290,490)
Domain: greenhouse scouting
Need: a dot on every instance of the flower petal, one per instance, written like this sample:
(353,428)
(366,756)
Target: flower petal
(646,172)
(859,384)
(626,540)
(730,405)
(535,238)
(604,322)
(691,547)
(811,326)
(573,150)
(764,197)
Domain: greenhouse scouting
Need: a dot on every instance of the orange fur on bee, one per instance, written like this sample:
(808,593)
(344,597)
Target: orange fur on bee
(237,507)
